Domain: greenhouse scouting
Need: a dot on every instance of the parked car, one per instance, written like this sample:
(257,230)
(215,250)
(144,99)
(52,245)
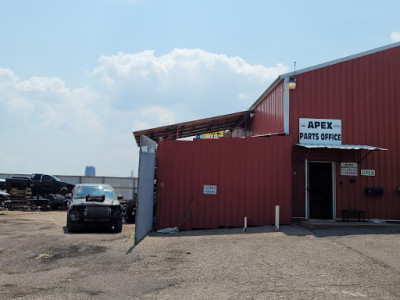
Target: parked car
(39,202)
(94,204)
(50,201)
(57,201)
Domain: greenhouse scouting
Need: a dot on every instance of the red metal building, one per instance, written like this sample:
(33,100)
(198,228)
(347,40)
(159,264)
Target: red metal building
(336,117)
(247,177)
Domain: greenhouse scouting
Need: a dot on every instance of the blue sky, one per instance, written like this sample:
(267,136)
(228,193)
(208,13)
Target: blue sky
(78,77)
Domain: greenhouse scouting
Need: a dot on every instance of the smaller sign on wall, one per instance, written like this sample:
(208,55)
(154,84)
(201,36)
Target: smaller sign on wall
(365,172)
(209,189)
(348,169)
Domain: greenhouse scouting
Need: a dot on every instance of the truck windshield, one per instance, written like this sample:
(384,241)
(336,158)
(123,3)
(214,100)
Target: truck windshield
(95,191)
(56,178)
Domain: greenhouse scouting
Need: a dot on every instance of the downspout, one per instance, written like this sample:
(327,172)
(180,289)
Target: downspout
(286,106)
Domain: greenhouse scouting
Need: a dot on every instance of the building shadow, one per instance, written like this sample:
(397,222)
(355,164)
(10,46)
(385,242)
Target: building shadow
(288,230)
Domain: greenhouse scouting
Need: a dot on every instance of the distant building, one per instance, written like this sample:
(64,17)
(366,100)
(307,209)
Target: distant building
(90,171)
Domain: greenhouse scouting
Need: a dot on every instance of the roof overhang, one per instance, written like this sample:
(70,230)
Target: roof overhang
(343,147)
(193,128)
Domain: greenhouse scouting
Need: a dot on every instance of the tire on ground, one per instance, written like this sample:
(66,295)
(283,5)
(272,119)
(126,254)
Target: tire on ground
(118,225)
(70,226)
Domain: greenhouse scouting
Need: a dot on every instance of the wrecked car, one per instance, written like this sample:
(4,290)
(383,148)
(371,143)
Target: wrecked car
(57,201)
(3,185)
(129,209)
(3,197)
(93,205)
(17,182)
(43,185)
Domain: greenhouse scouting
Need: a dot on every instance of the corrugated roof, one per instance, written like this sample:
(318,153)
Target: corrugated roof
(319,66)
(192,128)
(340,60)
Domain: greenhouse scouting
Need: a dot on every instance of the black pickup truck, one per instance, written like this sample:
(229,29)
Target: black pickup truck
(17,182)
(42,184)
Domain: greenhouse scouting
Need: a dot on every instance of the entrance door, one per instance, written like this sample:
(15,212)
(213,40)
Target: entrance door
(320,190)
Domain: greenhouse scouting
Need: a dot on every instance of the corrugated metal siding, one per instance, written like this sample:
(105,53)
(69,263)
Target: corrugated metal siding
(269,115)
(365,94)
(252,175)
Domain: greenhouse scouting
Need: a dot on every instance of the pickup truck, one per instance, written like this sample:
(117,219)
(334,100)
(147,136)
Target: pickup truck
(17,182)
(42,184)
(94,205)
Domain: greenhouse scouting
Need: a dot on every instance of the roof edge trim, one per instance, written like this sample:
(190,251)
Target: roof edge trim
(270,88)
(339,60)
(343,147)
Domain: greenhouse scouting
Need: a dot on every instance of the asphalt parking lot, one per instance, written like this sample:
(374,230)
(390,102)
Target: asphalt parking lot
(39,259)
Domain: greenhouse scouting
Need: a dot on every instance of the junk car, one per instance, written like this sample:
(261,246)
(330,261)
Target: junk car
(93,205)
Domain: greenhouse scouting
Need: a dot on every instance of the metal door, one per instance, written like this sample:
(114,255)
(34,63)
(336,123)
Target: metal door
(320,190)
(145,201)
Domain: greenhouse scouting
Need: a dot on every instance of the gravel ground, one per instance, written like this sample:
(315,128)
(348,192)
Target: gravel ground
(39,259)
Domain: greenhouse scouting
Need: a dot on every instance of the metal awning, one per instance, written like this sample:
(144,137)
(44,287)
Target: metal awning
(343,147)
(193,128)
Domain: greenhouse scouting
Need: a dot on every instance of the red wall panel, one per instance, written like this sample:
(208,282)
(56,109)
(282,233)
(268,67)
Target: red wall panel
(252,175)
(269,115)
(365,94)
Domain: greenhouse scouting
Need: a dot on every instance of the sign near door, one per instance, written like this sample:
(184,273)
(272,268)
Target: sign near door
(365,172)
(320,131)
(348,169)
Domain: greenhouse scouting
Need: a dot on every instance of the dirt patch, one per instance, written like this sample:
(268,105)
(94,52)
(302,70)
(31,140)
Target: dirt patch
(41,260)
(72,251)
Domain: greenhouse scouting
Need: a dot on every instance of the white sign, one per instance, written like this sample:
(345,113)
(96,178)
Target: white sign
(210,190)
(367,172)
(320,132)
(348,169)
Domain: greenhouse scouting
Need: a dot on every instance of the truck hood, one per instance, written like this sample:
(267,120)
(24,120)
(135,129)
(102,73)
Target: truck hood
(83,202)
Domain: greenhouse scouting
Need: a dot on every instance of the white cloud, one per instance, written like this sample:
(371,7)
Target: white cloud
(186,62)
(242,97)
(205,82)
(19,105)
(42,84)
(164,115)
(66,129)
(48,101)
(129,2)
(48,125)
(7,77)
(395,36)
(152,116)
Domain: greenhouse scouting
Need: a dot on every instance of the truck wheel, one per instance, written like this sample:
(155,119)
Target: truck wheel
(118,226)
(131,219)
(70,226)
(64,191)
